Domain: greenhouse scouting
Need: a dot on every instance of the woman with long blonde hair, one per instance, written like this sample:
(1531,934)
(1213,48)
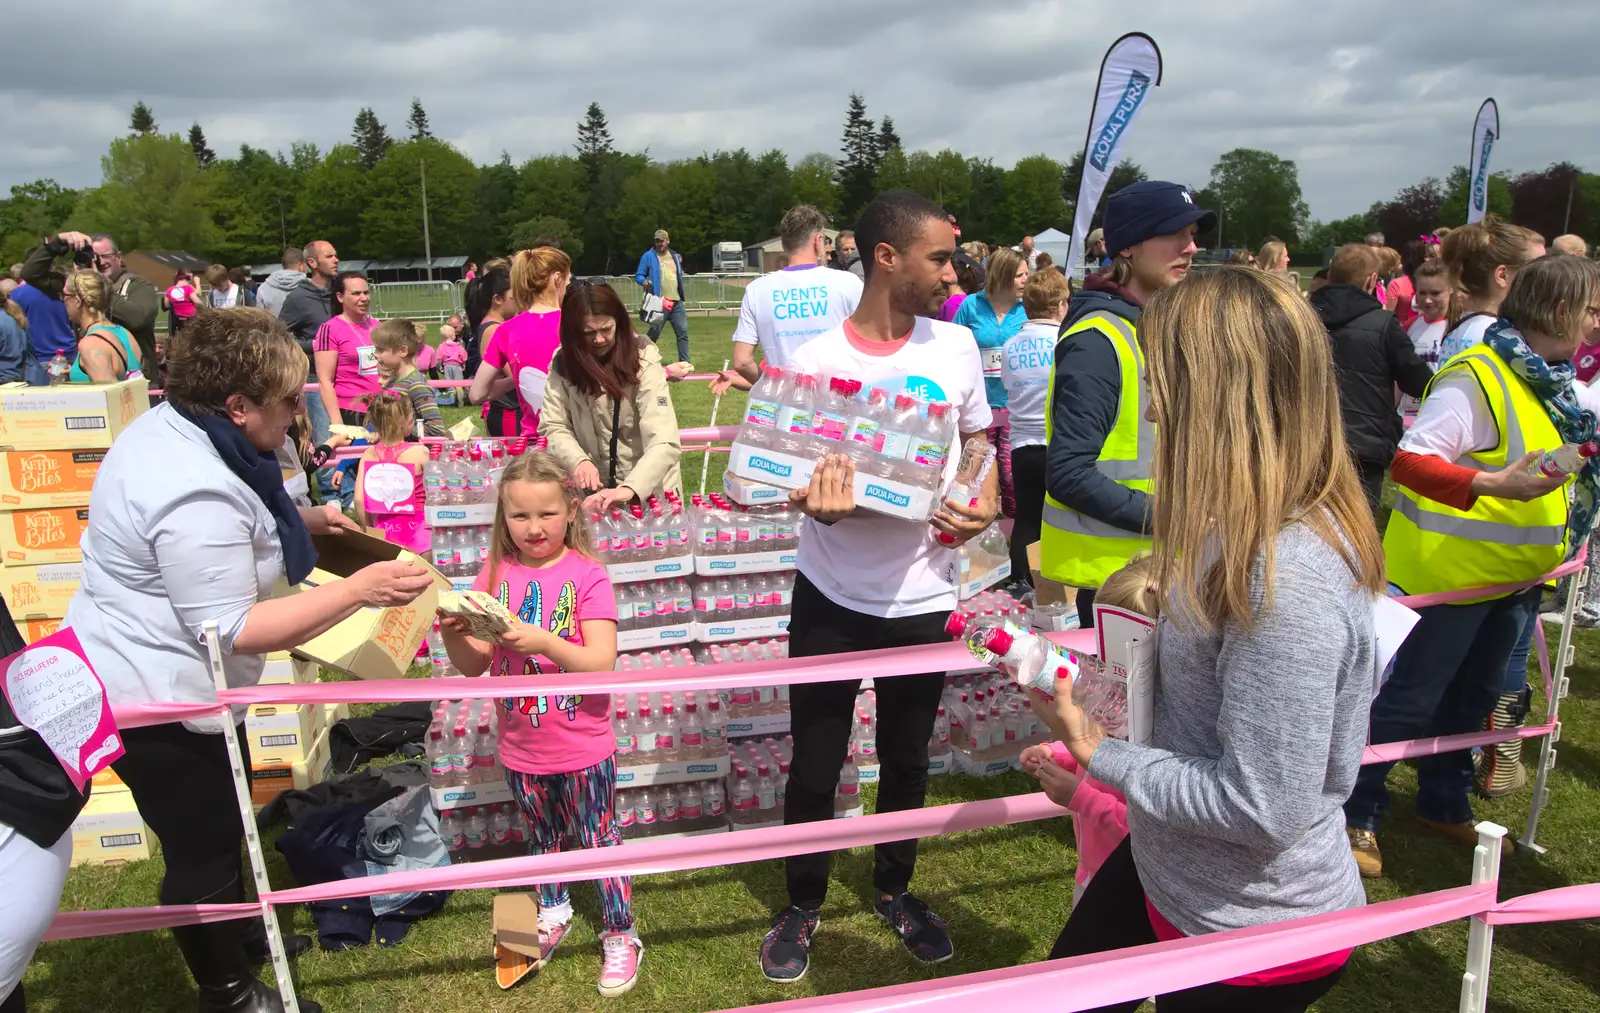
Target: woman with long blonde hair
(1268,561)
(106,351)
(1274,257)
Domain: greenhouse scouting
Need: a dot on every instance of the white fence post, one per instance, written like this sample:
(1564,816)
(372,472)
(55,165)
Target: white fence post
(1480,934)
(1558,681)
(252,838)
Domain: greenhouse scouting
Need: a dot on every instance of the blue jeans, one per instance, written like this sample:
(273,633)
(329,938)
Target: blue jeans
(317,413)
(1447,678)
(1517,666)
(34,372)
(680,325)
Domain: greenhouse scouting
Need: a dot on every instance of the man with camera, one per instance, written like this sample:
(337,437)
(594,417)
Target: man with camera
(134,301)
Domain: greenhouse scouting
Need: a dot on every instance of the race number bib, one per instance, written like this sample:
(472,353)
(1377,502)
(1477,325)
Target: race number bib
(530,384)
(367,356)
(993,360)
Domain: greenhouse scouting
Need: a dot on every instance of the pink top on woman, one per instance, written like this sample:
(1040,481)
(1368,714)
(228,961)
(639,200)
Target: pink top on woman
(392,496)
(1400,287)
(356,373)
(181,296)
(560,733)
(525,344)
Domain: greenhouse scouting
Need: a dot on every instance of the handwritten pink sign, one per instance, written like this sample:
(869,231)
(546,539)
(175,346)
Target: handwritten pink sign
(54,690)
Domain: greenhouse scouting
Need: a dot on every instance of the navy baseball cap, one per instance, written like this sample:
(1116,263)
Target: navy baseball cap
(1151,208)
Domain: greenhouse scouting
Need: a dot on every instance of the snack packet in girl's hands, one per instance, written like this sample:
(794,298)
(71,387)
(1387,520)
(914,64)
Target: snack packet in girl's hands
(481,611)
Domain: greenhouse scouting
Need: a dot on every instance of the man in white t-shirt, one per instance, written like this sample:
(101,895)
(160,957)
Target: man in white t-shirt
(787,308)
(869,581)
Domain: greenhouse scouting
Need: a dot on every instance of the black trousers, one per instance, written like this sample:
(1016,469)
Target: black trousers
(820,719)
(1372,483)
(184,789)
(1111,916)
(1027,478)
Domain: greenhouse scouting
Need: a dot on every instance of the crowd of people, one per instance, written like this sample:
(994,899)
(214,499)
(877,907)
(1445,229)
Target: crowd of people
(1213,440)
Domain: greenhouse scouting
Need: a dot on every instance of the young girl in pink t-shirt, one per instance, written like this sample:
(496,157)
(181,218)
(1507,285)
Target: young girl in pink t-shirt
(389,494)
(557,750)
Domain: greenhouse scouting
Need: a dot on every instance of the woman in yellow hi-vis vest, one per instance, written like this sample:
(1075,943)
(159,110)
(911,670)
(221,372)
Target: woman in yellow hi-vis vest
(1097,465)
(1471,512)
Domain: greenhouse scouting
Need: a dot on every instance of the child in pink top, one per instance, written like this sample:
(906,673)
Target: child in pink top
(389,494)
(524,347)
(1100,811)
(450,351)
(558,749)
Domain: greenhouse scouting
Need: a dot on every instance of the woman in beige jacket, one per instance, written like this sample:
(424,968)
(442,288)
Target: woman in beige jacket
(607,412)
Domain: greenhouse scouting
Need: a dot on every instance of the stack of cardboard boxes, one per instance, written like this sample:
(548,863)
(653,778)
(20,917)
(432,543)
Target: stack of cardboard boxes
(288,743)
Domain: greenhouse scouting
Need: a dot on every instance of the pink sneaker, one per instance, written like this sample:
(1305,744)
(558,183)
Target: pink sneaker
(550,937)
(620,968)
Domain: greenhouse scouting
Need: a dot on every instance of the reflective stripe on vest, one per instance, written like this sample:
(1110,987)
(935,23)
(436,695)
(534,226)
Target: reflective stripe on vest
(1076,549)
(1431,547)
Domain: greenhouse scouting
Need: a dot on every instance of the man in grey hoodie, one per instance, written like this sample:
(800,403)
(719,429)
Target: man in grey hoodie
(272,292)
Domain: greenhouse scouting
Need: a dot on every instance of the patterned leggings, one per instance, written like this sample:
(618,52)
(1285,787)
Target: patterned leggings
(576,804)
(1000,438)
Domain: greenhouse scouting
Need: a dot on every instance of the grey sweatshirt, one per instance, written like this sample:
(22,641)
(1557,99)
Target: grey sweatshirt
(1235,808)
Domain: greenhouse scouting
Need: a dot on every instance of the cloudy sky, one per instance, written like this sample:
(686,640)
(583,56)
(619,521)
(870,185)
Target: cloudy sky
(1365,96)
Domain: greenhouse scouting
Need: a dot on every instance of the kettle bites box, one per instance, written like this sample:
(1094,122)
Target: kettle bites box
(40,592)
(69,416)
(374,643)
(31,537)
(47,478)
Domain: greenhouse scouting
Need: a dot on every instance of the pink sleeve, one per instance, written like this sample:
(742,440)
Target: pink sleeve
(326,340)
(481,581)
(597,600)
(1101,825)
(424,360)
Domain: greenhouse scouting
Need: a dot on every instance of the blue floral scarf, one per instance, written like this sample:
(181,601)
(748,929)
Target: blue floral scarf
(1552,383)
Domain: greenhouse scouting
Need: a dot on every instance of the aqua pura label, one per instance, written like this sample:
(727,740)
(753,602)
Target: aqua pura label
(761,413)
(793,419)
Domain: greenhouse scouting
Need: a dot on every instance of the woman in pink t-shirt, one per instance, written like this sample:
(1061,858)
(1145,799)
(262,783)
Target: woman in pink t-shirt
(347,364)
(181,299)
(558,750)
(518,356)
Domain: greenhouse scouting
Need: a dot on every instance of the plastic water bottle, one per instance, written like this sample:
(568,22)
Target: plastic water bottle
(622,730)
(1565,459)
(760,426)
(667,734)
(461,753)
(500,826)
(714,730)
(1034,662)
(433,477)
(896,436)
(682,602)
(455,479)
(691,734)
(451,831)
(797,416)
(691,804)
(477,478)
(485,754)
(715,800)
(848,796)
(932,447)
(440,764)
(668,807)
(766,794)
(646,736)
(939,744)
(834,414)
(638,533)
(644,811)
(744,795)
(666,607)
(861,440)
(59,367)
(477,829)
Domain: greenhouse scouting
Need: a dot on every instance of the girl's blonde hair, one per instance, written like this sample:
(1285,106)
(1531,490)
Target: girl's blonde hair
(1270,253)
(536,467)
(532,271)
(1133,587)
(1472,252)
(91,290)
(1248,441)
(389,415)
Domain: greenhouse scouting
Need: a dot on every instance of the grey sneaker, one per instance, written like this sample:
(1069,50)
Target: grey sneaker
(1587,616)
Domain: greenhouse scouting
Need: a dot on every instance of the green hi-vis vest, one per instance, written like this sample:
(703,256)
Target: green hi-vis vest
(1077,550)
(1430,547)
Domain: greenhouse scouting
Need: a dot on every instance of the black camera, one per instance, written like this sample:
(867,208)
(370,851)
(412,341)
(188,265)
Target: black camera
(86,257)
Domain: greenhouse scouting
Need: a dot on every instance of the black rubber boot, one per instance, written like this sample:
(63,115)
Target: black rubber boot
(222,972)
(256,949)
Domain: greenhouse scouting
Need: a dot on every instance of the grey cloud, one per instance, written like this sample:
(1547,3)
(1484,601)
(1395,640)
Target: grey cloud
(1366,96)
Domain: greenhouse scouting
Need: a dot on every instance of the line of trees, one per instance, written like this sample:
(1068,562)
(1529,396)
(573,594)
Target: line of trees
(171,191)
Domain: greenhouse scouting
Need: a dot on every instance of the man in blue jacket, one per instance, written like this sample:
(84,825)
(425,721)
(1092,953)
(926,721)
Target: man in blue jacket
(661,271)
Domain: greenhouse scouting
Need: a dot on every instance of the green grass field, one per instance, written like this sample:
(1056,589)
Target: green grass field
(1005,893)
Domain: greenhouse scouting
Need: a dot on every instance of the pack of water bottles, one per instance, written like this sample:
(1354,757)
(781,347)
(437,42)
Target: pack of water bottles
(756,781)
(462,749)
(483,832)
(899,444)
(646,541)
(694,807)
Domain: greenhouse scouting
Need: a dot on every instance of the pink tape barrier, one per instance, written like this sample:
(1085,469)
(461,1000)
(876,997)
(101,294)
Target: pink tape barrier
(1388,752)
(1417,601)
(87,924)
(1564,903)
(879,664)
(645,858)
(1079,983)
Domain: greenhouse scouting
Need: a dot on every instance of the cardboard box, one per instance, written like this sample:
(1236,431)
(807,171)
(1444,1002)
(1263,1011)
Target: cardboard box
(271,775)
(34,630)
(749,562)
(650,569)
(742,629)
(284,731)
(880,495)
(640,775)
(518,951)
(72,416)
(284,669)
(50,535)
(109,830)
(1046,591)
(373,643)
(468,795)
(656,636)
(749,493)
(107,780)
(474,515)
(40,592)
(47,478)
